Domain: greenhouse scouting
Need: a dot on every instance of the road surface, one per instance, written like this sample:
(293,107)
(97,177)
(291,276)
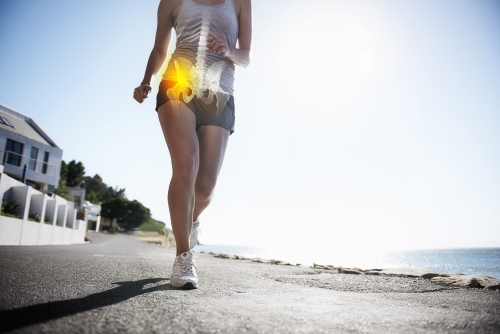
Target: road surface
(118,284)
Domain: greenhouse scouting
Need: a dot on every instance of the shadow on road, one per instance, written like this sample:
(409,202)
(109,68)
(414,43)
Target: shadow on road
(21,317)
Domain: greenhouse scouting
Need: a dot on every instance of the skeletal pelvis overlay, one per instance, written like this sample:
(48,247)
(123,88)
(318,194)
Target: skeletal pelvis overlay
(197,80)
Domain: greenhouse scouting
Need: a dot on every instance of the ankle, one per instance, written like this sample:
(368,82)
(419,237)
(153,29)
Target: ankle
(179,252)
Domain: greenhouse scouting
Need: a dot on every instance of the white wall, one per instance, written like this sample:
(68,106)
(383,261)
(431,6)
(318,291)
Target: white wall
(10,231)
(61,213)
(45,235)
(30,233)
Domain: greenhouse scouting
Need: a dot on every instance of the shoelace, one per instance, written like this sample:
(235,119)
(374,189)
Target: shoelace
(187,267)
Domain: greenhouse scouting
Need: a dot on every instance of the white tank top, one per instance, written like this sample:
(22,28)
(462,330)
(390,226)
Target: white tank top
(191,63)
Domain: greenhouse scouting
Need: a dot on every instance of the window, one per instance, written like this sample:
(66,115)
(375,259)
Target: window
(45,162)
(13,153)
(33,157)
(5,121)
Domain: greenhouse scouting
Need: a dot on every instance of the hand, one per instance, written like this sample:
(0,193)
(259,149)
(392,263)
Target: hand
(218,45)
(141,93)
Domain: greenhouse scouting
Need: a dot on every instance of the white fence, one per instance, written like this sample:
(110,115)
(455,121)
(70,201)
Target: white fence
(57,226)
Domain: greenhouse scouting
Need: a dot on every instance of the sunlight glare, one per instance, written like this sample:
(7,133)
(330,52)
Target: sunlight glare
(328,69)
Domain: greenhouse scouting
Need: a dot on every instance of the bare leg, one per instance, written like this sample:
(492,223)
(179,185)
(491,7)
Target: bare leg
(179,128)
(212,147)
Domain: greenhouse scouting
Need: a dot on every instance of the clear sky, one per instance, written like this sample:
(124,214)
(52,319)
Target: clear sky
(358,122)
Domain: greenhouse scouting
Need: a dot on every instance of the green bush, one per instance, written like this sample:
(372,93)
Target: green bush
(149,226)
(9,208)
(34,217)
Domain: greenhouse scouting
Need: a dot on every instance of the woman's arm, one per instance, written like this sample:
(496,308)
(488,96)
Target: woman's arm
(159,52)
(241,55)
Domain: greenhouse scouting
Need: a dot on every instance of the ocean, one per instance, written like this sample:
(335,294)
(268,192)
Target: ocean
(469,261)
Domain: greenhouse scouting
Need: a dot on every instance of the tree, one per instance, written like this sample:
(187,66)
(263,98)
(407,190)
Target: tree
(76,170)
(64,193)
(128,214)
(95,189)
(135,215)
(98,192)
(93,184)
(114,209)
(112,193)
(61,189)
(63,175)
(92,197)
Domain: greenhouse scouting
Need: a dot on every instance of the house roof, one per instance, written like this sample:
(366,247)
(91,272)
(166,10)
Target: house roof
(24,126)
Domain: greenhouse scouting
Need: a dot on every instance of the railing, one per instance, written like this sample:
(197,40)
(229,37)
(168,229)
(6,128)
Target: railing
(16,159)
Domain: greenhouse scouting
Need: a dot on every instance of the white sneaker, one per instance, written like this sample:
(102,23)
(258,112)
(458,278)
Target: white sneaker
(195,230)
(184,272)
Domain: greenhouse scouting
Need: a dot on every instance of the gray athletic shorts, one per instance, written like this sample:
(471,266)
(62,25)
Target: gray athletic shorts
(205,114)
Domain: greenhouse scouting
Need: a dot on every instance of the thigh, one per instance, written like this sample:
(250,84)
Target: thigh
(212,143)
(178,124)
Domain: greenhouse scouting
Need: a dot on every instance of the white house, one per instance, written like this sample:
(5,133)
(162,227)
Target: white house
(23,142)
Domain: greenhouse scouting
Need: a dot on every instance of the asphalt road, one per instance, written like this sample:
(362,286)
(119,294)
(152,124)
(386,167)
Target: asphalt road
(118,284)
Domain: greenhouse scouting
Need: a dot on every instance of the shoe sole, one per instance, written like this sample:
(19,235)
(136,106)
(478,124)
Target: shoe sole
(187,286)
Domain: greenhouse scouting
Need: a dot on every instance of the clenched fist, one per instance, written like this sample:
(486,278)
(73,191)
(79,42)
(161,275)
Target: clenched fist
(141,93)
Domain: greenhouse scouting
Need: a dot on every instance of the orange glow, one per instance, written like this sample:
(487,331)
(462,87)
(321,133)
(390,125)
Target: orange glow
(191,81)
(185,75)
(182,78)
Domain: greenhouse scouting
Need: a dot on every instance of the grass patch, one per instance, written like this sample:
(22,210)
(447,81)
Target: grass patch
(153,226)
(11,215)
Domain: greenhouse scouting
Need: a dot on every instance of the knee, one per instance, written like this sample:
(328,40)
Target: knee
(203,191)
(185,168)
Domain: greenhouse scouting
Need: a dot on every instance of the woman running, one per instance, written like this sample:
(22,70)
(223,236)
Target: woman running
(195,106)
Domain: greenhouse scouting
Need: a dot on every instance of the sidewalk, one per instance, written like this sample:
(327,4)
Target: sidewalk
(118,283)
